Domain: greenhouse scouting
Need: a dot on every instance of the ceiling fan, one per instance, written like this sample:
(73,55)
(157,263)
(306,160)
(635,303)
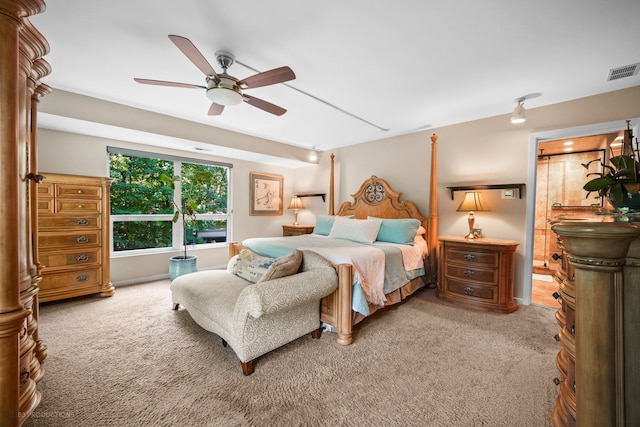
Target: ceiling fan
(224,89)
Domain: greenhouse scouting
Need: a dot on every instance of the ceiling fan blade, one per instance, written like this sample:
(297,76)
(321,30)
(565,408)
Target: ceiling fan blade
(163,83)
(266,78)
(215,109)
(264,105)
(194,55)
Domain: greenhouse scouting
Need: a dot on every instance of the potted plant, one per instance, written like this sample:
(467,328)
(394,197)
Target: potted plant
(618,181)
(186,212)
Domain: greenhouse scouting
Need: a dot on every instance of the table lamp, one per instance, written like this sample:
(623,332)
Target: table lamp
(472,203)
(296,204)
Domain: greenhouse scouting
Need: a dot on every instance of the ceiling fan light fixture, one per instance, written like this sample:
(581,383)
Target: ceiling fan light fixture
(519,113)
(224,91)
(224,96)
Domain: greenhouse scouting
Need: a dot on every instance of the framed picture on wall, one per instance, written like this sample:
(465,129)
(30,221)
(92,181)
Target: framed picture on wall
(265,194)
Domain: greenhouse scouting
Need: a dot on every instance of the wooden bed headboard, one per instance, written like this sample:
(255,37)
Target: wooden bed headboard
(376,198)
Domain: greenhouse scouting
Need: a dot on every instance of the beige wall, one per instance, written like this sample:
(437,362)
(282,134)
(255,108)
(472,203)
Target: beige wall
(488,151)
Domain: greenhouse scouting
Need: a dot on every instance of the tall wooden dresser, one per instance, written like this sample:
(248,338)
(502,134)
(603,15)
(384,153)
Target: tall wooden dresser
(599,362)
(73,236)
(21,68)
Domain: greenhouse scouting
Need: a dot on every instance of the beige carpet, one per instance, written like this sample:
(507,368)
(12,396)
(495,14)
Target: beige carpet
(130,360)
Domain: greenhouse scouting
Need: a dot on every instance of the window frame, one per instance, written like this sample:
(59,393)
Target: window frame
(176,228)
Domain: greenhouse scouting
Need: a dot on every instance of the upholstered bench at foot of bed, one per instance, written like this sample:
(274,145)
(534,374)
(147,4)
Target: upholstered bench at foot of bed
(255,318)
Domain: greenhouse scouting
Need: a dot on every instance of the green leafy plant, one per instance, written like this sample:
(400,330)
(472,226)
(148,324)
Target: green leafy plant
(188,209)
(618,179)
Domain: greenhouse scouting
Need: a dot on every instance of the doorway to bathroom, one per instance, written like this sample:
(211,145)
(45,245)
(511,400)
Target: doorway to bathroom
(562,170)
(563,167)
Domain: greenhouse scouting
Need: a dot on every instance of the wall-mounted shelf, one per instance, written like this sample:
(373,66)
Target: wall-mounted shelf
(519,187)
(323,195)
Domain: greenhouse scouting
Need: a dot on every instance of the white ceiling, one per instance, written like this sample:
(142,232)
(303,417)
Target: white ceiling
(403,65)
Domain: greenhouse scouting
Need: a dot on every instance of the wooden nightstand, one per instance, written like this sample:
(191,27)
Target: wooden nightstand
(296,230)
(477,273)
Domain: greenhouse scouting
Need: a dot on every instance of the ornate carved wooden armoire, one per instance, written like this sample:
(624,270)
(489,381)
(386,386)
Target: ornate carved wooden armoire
(21,68)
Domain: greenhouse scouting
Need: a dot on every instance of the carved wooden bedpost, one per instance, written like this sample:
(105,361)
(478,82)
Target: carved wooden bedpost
(433,211)
(331,189)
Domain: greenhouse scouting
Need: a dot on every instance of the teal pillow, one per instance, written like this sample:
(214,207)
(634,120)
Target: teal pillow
(402,231)
(323,224)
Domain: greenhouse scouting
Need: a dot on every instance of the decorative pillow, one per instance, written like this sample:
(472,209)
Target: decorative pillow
(286,265)
(324,223)
(401,231)
(251,266)
(358,230)
(257,268)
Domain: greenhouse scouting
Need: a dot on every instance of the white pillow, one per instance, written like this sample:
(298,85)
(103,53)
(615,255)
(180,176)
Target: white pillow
(357,230)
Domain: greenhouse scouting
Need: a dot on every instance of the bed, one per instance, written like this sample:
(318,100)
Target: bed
(365,286)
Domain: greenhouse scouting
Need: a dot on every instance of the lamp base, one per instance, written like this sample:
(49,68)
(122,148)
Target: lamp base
(471,221)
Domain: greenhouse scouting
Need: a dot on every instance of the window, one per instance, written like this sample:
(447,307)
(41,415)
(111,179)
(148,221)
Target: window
(142,204)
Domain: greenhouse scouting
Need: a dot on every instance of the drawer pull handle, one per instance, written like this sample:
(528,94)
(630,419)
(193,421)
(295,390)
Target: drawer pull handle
(468,290)
(469,257)
(80,206)
(82,278)
(468,273)
(80,191)
(556,337)
(557,381)
(82,239)
(82,221)
(82,258)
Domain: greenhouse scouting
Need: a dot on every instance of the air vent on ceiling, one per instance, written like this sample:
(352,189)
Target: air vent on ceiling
(622,72)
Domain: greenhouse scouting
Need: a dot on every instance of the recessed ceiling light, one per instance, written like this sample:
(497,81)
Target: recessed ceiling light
(568,143)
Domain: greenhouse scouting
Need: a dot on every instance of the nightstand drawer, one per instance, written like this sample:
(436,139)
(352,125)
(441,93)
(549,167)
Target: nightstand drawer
(489,259)
(469,290)
(296,230)
(468,273)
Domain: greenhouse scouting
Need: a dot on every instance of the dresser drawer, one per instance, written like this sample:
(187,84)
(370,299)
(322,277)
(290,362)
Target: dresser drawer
(46,189)
(49,240)
(471,290)
(468,273)
(52,260)
(78,191)
(76,206)
(75,222)
(80,278)
(471,257)
(45,206)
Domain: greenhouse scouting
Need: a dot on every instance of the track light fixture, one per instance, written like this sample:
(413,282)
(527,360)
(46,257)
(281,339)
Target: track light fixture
(519,113)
